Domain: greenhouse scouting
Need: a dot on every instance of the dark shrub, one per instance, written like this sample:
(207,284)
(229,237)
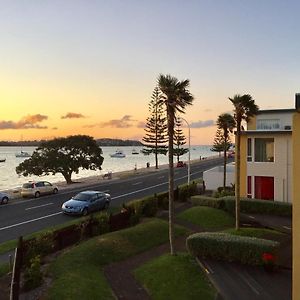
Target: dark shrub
(41,245)
(162,200)
(33,276)
(224,246)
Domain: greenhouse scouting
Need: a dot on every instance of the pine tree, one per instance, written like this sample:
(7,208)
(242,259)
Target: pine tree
(218,145)
(179,140)
(155,138)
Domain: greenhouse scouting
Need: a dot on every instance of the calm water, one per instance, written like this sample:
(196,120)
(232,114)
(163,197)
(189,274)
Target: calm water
(9,178)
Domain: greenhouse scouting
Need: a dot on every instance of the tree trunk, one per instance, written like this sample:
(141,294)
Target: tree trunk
(170,113)
(67,177)
(237,175)
(156,157)
(224,174)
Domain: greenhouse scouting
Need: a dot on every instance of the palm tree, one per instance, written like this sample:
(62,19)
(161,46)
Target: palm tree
(176,97)
(226,124)
(244,109)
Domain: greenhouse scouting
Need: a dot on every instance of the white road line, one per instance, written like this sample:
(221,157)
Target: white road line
(160,177)
(33,207)
(137,183)
(286,227)
(116,197)
(30,221)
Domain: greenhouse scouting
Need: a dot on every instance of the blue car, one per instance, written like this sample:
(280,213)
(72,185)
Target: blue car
(86,202)
(4,198)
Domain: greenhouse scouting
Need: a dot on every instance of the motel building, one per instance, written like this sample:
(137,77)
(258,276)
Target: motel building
(270,166)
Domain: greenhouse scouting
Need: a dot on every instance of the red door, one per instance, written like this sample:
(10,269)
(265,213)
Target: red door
(264,187)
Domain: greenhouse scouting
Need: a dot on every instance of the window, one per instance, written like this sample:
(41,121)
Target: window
(249,187)
(272,124)
(249,149)
(264,149)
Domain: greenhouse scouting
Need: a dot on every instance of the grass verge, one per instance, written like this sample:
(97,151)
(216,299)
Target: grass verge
(179,278)
(207,217)
(77,274)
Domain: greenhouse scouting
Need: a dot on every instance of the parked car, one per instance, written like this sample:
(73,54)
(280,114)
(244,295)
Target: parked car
(36,189)
(86,202)
(4,198)
(181,164)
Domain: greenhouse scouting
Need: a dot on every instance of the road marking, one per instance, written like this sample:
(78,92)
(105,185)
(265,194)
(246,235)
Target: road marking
(137,183)
(286,227)
(251,217)
(30,221)
(160,177)
(33,207)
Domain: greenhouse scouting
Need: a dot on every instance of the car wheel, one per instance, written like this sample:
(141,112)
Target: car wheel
(55,191)
(85,212)
(106,205)
(37,194)
(4,200)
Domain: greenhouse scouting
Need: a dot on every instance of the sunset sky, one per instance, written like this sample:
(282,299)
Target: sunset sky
(89,67)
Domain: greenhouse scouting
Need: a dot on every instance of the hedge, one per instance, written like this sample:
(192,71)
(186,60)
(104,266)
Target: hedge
(259,206)
(224,246)
(208,201)
(149,206)
(247,205)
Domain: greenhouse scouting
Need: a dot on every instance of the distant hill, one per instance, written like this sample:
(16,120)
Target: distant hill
(101,142)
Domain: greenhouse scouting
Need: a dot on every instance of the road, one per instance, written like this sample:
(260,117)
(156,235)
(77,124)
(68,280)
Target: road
(26,216)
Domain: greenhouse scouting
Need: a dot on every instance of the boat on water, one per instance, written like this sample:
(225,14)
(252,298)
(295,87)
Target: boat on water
(134,152)
(22,154)
(118,153)
(2,160)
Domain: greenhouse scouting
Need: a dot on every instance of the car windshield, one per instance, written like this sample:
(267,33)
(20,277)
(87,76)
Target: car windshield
(82,197)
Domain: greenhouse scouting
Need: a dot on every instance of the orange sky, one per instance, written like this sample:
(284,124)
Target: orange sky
(99,61)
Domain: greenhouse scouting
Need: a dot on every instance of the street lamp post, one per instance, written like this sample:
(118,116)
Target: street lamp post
(189,156)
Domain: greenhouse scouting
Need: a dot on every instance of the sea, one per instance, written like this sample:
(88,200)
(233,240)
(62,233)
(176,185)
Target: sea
(9,179)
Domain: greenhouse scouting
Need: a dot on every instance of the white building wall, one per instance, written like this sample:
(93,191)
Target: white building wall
(286,119)
(280,169)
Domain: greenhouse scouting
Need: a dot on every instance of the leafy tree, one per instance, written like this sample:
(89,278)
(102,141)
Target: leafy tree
(244,108)
(179,140)
(175,96)
(63,155)
(226,124)
(155,138)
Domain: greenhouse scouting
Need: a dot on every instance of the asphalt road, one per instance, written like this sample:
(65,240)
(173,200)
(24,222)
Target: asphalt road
(26,216)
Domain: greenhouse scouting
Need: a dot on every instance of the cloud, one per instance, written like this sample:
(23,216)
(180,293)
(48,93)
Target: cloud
(124,122)
(202,124)
(27,122)
(54,128)
(71,115)
(141,124)
(207,110)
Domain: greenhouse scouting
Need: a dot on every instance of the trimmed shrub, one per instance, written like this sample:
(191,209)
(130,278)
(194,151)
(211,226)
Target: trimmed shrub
(259,206)
(33,276)
(224,246)
(208,201)
(162,200)
(147,207)
(186,191)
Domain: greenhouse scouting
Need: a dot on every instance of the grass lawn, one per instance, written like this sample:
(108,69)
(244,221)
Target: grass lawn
(77,274)
(256,232)
(4,269)
(207,217)
(174,277)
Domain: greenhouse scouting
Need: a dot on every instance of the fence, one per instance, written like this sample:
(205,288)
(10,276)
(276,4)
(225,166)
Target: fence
(59,239)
